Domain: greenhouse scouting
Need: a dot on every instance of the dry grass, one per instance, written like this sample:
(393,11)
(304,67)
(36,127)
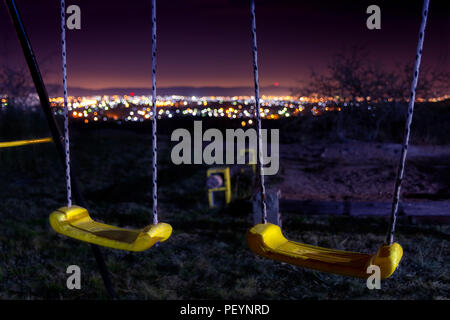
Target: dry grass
(206,257)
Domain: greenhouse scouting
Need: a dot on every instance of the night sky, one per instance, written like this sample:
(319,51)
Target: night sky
(207,42)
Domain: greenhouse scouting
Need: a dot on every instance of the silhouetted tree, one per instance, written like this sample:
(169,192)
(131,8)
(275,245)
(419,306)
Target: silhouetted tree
(15,80)
(352,76)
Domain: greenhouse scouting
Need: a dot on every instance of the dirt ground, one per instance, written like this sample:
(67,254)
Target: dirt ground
(361,171)
(207,256)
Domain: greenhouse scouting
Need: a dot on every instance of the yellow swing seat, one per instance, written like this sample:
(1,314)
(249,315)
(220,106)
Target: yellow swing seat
(267,240)
(19,143)
(75,222)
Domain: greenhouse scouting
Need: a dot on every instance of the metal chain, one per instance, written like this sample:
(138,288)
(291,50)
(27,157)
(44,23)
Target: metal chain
(258,114)
(412,97)
(154,131)
(66,116)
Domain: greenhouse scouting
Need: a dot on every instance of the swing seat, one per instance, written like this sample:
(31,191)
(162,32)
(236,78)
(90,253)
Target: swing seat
(75,222)
(267,240)
(20,143)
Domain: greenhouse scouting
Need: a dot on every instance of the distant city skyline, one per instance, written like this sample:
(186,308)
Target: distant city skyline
(206,43)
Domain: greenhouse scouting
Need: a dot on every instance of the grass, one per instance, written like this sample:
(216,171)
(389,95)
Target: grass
(206,257)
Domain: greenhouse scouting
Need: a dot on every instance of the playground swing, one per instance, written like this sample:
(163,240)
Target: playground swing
(267,240)
(74,221)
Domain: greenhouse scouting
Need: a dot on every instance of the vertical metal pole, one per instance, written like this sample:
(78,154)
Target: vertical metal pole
(54,129)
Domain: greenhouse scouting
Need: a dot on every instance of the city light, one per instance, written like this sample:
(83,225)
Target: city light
(133,108)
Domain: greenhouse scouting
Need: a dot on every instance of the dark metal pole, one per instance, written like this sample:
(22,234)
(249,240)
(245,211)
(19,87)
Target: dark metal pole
(54,129)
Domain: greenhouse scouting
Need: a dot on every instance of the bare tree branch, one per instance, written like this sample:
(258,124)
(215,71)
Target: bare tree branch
(351,75)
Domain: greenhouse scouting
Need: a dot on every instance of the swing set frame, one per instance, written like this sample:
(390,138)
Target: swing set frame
(56,134)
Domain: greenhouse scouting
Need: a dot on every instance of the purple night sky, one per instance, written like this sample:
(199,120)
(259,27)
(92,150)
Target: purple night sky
(207,42)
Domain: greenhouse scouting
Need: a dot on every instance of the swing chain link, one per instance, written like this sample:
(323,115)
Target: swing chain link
(66,111)
(258,113)
(154,131)
(412,97)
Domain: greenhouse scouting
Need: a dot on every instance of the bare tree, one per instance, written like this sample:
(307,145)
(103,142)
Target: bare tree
(352,76)
(15,84)
(433,82)
(15,80)
(353,79)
